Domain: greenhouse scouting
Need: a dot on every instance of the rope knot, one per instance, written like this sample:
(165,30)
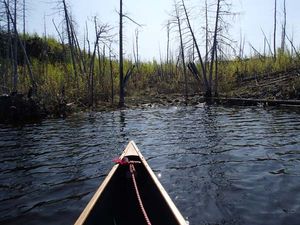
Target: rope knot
(123,161)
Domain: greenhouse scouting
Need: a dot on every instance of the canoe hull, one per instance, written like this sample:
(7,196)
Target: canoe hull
(115,201)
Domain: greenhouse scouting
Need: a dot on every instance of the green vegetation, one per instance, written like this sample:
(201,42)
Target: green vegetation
(56,82)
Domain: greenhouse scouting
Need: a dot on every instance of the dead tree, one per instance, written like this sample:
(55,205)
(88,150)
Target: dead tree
(101,31)
(45,49)
(275,27)
(24,31)
(9,46)
(77,50)
(283,27)
(206,36)
(215,43)
(15,49)
(137,61)
(87,57)
(293,48)
(168,41)
(103,59)
(216,73)
(24,19)
(111,75)
(33,83)
(64,51)
(241,46)
(70,42)
(204,74)
(121,70)
(209,65)
(99,63)
(182,51)
(123,79)
(268,43)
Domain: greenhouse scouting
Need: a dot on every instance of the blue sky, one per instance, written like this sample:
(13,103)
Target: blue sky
(254,15)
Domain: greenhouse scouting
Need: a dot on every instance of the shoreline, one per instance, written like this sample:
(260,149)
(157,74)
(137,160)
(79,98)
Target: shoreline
(21,109)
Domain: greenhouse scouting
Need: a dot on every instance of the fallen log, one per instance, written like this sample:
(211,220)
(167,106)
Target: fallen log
(254,102)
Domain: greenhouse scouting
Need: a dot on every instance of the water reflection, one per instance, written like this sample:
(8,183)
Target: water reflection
(220,165)
(123,131)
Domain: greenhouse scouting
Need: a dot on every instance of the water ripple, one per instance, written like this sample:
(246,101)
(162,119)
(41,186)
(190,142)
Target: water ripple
(220,165)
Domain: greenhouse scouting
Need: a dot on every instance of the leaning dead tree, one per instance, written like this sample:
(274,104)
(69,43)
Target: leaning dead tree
(193,68)
(209,65)
(70,39)
(182,49)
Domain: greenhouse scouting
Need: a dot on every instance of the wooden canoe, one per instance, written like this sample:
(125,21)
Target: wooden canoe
(115,202)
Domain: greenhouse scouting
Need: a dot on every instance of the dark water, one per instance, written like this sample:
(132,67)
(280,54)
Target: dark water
(219,165)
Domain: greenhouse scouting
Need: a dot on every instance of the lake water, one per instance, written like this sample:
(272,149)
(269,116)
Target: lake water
(220,165)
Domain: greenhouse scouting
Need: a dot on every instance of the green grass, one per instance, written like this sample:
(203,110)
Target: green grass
(53,71)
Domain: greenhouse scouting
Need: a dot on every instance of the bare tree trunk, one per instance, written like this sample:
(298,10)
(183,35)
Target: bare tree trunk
(77,51)
(268,43)
(206,84)
(34,86)
(24,30)
(103,61)
(293,48)
(88,43)
(111,76)
(291,40)
(99,64)
(9,48)
(92,62)
(216,74)
(214,47)
(91,76)
(283,28)
(64,52)
(71,46)
(24,19)
(122,91)
(275,26)
(182,55)
(193,52)
(161,71)
(242,46)
(137,48)
(206,36)
(45,60)
(15,50)
(134,52)
(168,41)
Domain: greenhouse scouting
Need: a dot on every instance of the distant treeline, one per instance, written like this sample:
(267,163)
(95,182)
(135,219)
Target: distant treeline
(36,47)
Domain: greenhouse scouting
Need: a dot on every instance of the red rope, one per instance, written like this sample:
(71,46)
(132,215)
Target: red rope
(132,170)
(125,161)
